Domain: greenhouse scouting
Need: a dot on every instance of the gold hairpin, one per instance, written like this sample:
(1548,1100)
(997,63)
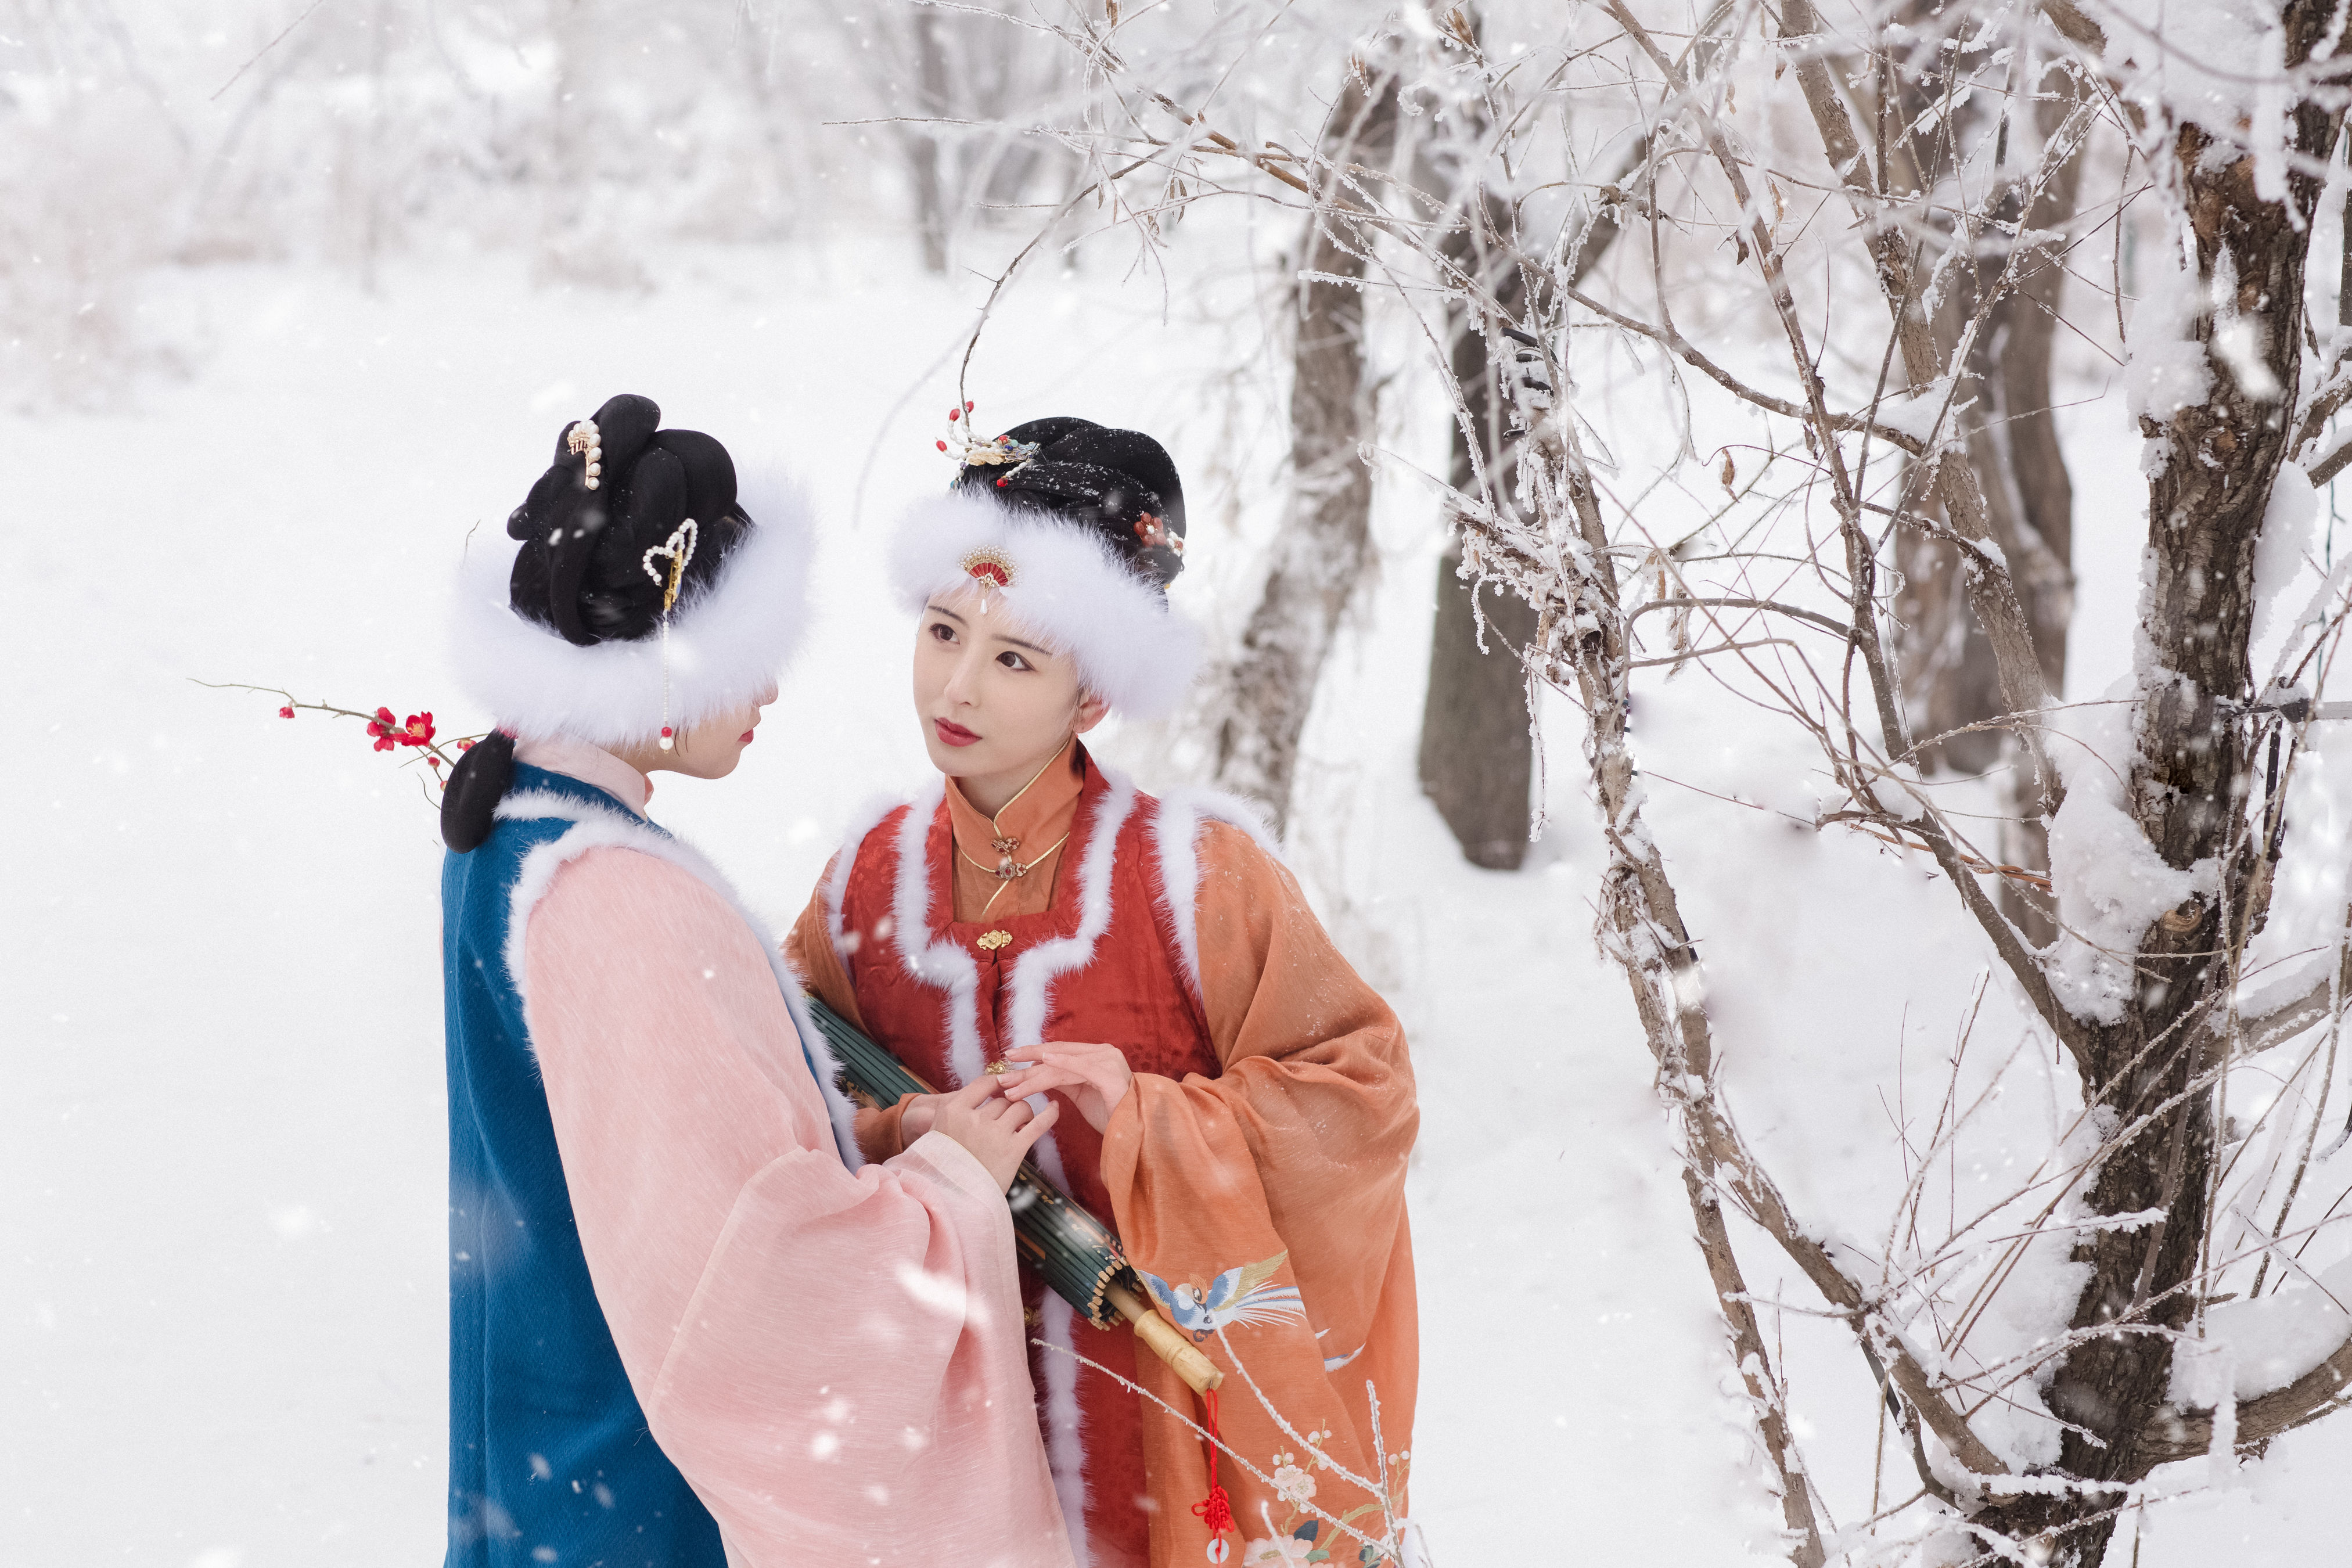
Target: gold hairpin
(680,550)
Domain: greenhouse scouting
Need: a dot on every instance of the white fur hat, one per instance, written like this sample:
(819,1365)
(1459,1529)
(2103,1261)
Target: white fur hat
(1062,582)
(726,643)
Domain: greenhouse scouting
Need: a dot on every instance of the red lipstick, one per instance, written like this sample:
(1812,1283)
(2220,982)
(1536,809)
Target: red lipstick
(954,734)
(747,737)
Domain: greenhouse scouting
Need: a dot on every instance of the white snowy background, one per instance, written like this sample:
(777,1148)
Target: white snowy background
(221,1287)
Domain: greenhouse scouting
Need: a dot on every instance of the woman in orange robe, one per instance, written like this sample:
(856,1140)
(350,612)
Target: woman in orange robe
(1234,1099)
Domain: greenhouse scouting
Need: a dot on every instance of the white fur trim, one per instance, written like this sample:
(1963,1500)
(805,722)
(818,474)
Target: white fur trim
(836,882)
(837,1106)
(1066,1448)
(1176,829)
(599,827)
(944,964)
(725,644)
(1068,588)
(1035,971)
(1030,995)
(947,965)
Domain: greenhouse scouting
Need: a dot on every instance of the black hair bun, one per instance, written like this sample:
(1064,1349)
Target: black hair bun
(581,570)
(1120,483)
(469,803)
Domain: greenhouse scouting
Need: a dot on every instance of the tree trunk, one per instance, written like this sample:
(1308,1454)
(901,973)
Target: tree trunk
(1951,678)
(2012,362)
(563,181)
(2206,507)
(1477,753)
(375,177)
(922,142)
(1324,544)
(1478,745)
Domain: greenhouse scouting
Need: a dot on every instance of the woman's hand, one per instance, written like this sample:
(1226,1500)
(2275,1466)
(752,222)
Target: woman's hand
(997,1132)
(1095,1077)
(921,1113)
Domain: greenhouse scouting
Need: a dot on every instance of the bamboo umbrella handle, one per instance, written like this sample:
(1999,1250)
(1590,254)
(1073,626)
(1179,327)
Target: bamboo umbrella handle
(1199,1373)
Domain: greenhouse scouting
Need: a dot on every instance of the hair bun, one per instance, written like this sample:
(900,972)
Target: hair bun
(479,781)
(1120,483)
(581,570)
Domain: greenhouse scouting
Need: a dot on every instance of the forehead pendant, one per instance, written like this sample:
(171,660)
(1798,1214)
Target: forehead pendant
(988,568)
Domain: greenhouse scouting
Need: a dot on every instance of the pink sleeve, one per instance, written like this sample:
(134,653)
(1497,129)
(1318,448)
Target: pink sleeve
(835,1361)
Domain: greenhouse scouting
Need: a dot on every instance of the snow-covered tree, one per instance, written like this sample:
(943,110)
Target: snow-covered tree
(1831,226)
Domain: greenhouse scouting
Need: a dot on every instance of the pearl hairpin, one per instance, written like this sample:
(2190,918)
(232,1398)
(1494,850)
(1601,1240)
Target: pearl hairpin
(973,452)
(583,439)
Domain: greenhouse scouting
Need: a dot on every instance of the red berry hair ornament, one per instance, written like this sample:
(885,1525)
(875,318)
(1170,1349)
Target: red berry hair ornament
(1153,534)
(971,453)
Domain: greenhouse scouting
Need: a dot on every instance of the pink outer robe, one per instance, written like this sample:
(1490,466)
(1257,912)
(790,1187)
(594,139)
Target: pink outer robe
(833,1359)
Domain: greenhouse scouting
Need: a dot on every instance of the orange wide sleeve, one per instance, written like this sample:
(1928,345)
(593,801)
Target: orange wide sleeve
(1297,1148)
(808,948)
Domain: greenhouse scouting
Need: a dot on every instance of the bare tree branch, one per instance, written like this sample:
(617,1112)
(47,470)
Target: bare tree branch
(2323,1391)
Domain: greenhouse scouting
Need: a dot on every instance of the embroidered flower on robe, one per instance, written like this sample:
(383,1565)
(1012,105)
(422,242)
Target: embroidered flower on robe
(1276,1551)
(1291,1484)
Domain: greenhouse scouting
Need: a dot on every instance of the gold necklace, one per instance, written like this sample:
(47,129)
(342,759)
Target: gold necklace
(1006,868)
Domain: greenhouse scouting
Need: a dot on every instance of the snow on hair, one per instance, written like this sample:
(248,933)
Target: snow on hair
(1068,587)
(727,643)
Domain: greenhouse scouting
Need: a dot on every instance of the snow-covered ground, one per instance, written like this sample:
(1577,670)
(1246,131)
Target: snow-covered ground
(221,1145)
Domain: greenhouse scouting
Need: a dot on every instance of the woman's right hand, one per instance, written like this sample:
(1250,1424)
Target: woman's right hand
(997,1132)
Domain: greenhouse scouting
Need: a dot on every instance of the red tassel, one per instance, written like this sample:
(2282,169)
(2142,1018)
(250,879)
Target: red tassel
(1215,1511)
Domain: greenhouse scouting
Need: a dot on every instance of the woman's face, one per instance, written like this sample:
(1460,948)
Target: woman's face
(991,698)
(711,748)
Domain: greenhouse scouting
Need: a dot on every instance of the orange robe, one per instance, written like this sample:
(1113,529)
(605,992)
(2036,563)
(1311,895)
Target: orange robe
(1296,1146)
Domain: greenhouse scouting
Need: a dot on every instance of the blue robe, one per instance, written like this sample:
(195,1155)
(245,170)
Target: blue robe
(550,1457)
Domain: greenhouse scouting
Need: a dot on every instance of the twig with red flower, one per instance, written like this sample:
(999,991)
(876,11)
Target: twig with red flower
(389,732)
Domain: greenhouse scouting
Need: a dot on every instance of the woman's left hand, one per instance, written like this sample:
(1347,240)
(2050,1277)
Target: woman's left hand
(1094,1076)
